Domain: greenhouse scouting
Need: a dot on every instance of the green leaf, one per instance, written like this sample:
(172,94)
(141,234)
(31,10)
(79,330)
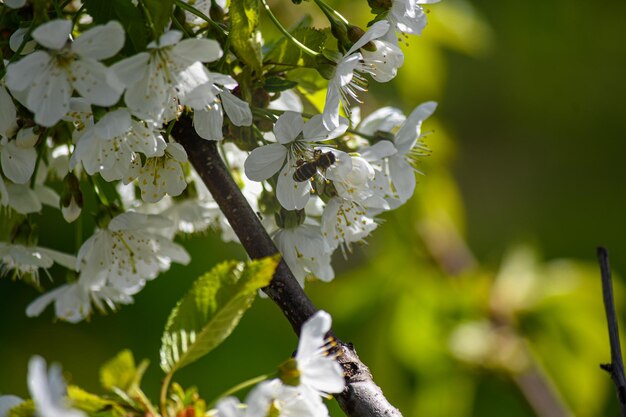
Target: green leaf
(160,13)
(277,84)
(92,403)
(285,52)
(128,15)
(211,310)
(244,17)
(121,372)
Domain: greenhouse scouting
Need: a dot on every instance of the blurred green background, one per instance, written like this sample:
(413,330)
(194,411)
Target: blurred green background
(481,296)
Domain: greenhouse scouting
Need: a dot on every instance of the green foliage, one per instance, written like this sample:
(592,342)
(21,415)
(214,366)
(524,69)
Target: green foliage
(93,404)
(244,17)
(284,52)
(127,14)
(160,12)
(277,84)
(120,372)
(211,310)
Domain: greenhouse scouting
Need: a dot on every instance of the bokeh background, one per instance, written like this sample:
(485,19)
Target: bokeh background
(481,296)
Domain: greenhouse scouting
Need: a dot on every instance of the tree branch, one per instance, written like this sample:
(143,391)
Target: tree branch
(362,397)
(616,367)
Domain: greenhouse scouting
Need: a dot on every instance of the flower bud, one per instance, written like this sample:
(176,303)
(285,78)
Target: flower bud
(71,198)
(325,67)
(288,219)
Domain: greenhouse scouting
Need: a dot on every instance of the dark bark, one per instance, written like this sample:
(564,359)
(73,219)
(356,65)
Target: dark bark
(616,367)
(362,397)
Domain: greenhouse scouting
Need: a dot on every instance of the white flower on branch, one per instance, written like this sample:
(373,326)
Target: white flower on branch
(349,77)
(273,398)
(306,252)
(169,72)
(161,175)
(25,261)
(50,77)
(128,252)
(399,166)
(110,146)
(407,17)
(295,142)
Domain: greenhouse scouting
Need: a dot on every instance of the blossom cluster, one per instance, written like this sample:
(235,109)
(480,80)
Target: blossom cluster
(303,381)
(86,113)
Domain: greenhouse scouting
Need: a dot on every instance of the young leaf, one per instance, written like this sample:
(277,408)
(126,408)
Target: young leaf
(120,372)
(277,84)
(127,14)
(92,403)
(210,311)
(284,52)
(244,16)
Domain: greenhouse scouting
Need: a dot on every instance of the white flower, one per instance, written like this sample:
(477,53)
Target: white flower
(170,71)
(51,77)
(400,165)
(229,407)
(273,398)
(161,175)
(306,252)
(318,371)
(384,62)
(346,221)
(407,16)
(295,140)
(24,199)
(109,147)
(210,101)
(72,302)
(127,253)
(7,402)
(349,79)
(47,388)
(23,260)
(18,157)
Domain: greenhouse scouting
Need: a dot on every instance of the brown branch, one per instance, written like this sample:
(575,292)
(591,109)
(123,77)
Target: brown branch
(616,367)
(362,397)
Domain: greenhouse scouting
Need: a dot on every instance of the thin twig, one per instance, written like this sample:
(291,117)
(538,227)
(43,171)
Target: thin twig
(616,367)
(362,397)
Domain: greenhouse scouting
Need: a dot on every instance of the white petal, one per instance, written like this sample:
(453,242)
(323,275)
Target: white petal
(21,74)
(131,220)
(288,101)
(230,407)
(22,199)
(288,126)
(113,124)
(292,195)
(378,151)
(331,107)
(53,34)
(169,38)
(68,261)
(410,130)
(265,161)
(384,119)
(90,80)
(323,374)
(203,50)
(18,164)
(402,177)
(315,131)
(15,4)
(237,110)
(377,30)
(313,334)
(49,96)
(100,42)
(208,123)
(7,402)
(132,69)
(176,151)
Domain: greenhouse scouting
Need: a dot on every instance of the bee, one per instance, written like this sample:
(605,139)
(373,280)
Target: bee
(305,170)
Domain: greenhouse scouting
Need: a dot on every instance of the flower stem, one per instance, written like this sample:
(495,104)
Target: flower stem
(330,12)
(286,32)
(163,397)
(240,386)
